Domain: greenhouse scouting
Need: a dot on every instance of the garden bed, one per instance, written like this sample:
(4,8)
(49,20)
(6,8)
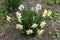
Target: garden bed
(54,26)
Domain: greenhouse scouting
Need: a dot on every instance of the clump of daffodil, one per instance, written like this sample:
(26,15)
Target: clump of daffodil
(46,13)
(43,24)
(34,25)
(40,32)
(9,18)
(19,16)
(18,26)
(27,16)
(21,7)
(29,31)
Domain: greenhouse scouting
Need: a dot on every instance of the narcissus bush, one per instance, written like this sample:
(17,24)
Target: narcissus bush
(31,21)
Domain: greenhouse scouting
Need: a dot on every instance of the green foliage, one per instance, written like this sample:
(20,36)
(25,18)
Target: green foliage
(58,1)
(56,16)
(28,19)
(55,33)
(3,30)
(12,4)
(2,14)
(2,18)
(50,2)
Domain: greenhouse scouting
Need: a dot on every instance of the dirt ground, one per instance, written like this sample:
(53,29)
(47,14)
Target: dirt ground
(9,35)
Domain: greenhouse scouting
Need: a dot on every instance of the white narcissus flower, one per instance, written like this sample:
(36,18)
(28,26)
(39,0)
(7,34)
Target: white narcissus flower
(21,7)
(34,25)
(32,9)
(38,6)
(9,18)
(46,13)
(43,24)
(18,15)
(29,31)
(19,20)
(40,32)
(49,12)
(18,26)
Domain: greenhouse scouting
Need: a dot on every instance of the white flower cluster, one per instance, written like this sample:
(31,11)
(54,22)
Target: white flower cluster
(37,8)
(34,25)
